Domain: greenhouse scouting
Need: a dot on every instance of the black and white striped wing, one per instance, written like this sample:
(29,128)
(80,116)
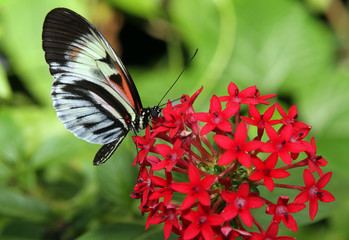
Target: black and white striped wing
(93,94)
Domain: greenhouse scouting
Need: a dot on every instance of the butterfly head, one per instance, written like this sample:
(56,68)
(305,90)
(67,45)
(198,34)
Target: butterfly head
(148,114)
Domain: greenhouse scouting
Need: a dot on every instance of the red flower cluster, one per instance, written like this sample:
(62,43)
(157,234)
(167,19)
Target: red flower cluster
(202,182)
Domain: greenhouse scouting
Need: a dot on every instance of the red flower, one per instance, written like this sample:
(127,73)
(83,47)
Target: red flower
(174,121)
(261,99)
(236,148)
(145,144)
(172,156)
(313,191)
(165,191)
(315,161)
(249,95)
(229,233)
(290,117)
(265,170)
(143,187)
(270,234)
(196,189)
(282,211)
(260,120)
(169,216)
(216,117)
(240,203)
(202,222)
(223,186)
(281,144)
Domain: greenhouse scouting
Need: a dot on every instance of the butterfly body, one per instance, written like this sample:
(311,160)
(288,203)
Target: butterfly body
(93,93)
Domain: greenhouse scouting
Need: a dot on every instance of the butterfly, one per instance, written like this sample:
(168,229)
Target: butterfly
(92,92)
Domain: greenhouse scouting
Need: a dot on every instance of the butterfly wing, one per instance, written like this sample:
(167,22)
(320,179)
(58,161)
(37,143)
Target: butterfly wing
(93,94)
(106,151)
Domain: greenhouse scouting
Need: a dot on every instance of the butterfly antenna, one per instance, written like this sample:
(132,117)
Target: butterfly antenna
(172,101)
(185,67)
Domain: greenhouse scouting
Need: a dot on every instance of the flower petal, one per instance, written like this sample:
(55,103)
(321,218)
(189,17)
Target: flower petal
(279,173)
(271,161)
(230,111)
(241,133)
(215,105)
(244,190)
(285,157)
(207,128)
(225,126)
(308,178)
(182,187)
(207,232)
(204,198)
(188,201)
(269,183)
(256,176)
(228,196)
(302,197)
(246,217)
(229,212)
(215,219)
(192,231)
(194,175)
(226,158)
(255,202)
(272,134)
(254,112)
(244,159)
(268,114)
(326,196)
(232,89)
(253,145)
(202,117)
(207,181)
(313,207)
(224,141)
(324,180)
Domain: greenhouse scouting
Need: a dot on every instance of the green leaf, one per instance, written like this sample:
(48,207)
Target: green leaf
(21,40)
(5,89)
(122,231)
(279,45)
(213,32)
(17,205)
(28,230)
(126,231)
(139,8)
(117,177)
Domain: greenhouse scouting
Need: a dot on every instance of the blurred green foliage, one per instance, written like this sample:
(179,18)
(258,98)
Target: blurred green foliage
(49,188)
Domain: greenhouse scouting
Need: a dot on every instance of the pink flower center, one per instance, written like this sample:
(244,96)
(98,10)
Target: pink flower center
(170,215)
(217,118)
(266,172)
(282,211)
(261,123)
(314,158)
(313,192)
(196,188)
(238,148)
(202,220)
(240,203)
(236,100)
(172,157)
(281,145)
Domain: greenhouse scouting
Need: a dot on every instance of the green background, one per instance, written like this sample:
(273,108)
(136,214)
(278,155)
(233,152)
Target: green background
(297,49)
